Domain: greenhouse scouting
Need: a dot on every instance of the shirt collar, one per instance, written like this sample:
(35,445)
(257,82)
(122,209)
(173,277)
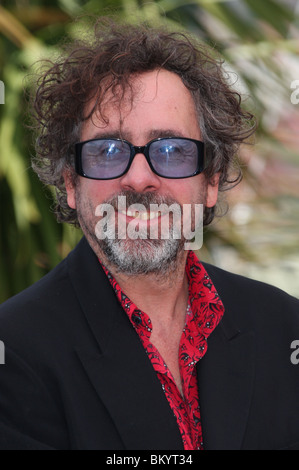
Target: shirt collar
(206,306)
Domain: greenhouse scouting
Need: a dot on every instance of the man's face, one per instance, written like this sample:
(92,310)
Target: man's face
(162,107)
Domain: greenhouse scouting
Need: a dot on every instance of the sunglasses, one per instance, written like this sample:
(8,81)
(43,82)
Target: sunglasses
(171,157)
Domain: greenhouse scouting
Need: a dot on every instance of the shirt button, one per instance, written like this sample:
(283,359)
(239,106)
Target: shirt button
(136,319)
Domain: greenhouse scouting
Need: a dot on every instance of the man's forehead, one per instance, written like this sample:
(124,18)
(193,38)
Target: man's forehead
(159,99)
(138,88)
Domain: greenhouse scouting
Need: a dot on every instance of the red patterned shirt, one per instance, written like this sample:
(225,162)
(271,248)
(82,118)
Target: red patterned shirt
(204,313)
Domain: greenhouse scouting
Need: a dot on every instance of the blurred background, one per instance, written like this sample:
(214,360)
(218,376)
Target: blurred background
(259,40)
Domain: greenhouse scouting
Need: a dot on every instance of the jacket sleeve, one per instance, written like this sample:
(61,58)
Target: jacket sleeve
(29,419)
(11,439)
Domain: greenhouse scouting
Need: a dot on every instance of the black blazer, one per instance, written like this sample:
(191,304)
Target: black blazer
(77,377)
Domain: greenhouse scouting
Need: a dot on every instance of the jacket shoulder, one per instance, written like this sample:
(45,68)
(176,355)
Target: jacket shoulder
(254,300)
(41,294)
(47,317)
(231,281)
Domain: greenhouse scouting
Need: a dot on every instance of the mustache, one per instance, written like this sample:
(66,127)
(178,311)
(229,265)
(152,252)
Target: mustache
(146,199)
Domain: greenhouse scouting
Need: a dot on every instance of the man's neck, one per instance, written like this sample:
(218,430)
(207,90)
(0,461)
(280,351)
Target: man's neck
(164,297)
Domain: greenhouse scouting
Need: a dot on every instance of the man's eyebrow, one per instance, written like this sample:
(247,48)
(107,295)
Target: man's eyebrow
(160,133)
(107,135)
(125,135)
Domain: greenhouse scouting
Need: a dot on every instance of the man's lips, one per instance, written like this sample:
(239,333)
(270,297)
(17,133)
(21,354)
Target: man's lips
(141,215)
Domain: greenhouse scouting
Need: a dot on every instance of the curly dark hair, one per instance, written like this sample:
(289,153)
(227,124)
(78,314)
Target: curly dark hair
(89,67)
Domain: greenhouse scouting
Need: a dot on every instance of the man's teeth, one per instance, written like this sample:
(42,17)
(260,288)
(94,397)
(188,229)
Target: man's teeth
(142,215)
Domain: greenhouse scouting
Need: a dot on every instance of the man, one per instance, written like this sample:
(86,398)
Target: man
(131,342)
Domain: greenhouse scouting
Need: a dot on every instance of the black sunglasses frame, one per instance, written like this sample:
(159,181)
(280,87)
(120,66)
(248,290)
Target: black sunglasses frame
(202,160)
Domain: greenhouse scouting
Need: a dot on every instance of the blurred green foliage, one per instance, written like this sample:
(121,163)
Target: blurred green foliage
(259,41)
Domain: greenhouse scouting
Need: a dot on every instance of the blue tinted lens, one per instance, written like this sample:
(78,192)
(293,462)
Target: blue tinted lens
(105,159)
(174,158)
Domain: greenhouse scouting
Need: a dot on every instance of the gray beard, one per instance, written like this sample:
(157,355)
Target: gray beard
(140,256)
(136,257)
(143,256)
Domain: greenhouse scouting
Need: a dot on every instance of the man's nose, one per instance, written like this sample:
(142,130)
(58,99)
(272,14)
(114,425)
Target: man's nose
(140,177)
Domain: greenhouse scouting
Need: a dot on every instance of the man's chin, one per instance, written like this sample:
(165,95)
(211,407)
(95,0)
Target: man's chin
(139,257)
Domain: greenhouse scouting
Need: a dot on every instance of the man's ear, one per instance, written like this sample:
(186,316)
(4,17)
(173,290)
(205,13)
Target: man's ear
(212,191)
(70,188)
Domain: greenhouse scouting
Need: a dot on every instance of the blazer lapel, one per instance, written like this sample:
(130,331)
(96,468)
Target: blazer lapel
(121,373)
(119,368)
(128,386)
(225,380)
